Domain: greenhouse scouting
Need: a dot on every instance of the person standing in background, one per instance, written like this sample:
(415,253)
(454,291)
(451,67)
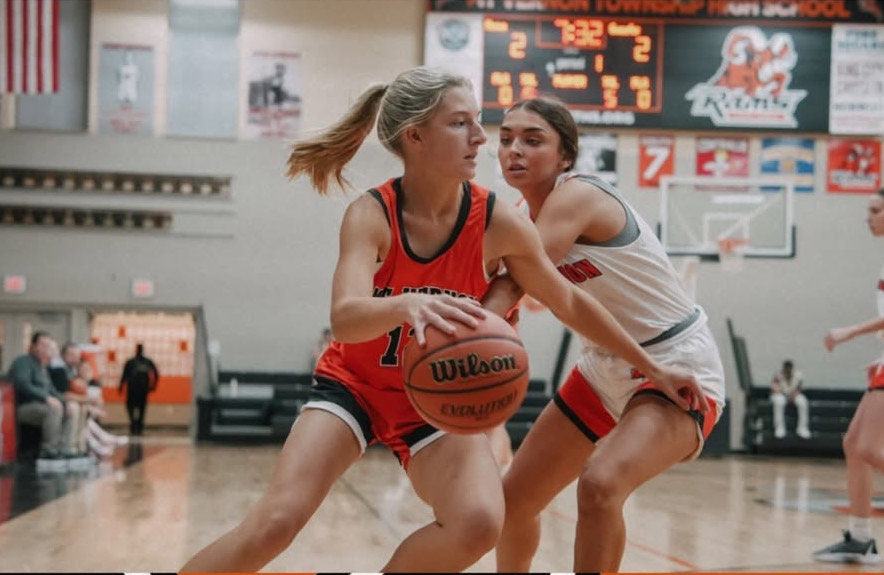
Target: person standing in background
(141,376)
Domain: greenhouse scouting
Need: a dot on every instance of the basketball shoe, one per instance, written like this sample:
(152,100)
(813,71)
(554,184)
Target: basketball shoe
(849,551)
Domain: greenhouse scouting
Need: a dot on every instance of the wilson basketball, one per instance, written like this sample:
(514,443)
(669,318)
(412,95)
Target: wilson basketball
(470,381)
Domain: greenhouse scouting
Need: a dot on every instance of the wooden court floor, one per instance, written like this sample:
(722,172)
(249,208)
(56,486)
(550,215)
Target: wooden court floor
(737,513)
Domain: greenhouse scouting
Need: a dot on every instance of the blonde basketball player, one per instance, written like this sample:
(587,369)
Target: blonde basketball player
(610,426)
(429,230)
(864,441)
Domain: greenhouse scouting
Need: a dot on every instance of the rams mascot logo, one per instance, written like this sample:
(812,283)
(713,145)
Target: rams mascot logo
(751,87)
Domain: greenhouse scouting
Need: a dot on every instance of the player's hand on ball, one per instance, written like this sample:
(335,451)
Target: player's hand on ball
(440,311)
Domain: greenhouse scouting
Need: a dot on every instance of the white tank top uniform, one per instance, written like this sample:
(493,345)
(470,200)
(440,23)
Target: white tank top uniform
(631,275)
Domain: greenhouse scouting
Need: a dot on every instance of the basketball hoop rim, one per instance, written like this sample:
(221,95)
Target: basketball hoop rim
(732,245)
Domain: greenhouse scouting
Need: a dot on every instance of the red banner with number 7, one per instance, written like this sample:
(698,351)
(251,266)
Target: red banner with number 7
(656,157)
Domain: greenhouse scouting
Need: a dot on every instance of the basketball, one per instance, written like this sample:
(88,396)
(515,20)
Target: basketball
(470,381)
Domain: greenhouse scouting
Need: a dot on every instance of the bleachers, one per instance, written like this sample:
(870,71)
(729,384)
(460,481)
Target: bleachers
(830,413)
(260,407)
(265,406)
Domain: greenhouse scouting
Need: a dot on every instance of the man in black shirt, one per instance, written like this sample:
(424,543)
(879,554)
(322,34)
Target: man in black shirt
(141,376)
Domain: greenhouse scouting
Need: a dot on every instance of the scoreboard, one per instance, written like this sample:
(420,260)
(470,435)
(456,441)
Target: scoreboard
(588,63)
(668,64)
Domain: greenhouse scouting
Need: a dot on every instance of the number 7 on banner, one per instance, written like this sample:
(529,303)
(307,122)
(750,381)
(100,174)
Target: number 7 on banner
(656,157)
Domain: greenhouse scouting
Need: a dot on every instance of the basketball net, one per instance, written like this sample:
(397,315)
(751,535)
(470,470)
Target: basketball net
(731,252)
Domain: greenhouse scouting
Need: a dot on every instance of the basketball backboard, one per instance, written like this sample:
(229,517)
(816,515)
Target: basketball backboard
(698,213)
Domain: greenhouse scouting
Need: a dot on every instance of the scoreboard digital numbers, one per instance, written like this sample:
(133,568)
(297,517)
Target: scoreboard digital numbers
(601,68)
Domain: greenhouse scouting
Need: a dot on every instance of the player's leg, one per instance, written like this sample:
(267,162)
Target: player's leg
(551,457)
(863,453)
(803,407)
(501,446)
(778,403)
(652,435)
(320,447)
(458,477)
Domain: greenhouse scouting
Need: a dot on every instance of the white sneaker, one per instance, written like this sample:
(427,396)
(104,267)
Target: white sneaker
(98,448)
(803,433)
(780,432)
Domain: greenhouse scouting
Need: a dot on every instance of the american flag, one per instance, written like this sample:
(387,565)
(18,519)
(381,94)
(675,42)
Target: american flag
(28,46)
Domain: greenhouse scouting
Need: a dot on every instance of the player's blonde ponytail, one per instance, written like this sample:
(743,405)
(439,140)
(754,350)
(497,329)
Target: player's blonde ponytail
(409,100)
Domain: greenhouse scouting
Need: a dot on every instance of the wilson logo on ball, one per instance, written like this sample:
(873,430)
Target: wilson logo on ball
(449,368)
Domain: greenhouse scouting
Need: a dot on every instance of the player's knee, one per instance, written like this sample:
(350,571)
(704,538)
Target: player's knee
(599,489)
(778,399)
(276,527)
(864,450)
(478,528)
(851,444)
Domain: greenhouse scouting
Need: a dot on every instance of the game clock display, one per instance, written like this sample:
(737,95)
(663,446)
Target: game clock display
(591,64)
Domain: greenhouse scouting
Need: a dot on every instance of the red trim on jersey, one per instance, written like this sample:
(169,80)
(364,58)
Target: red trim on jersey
(875,375)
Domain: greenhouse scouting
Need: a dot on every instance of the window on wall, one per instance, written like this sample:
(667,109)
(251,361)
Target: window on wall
(67,109)
(203,68)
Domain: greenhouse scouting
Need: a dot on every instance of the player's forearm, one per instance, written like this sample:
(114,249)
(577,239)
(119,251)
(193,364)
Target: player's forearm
(359,319)
(502,295)
(870,326)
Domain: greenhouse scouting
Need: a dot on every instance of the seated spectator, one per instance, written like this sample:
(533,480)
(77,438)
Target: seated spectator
(787,387)
(38,402)
(98,440)
(63,373)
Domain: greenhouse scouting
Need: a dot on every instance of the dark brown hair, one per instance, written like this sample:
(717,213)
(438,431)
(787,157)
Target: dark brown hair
(561,120)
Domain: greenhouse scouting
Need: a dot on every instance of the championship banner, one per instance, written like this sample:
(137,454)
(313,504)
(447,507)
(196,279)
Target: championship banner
(789,157)
(126,89)
(854,166)
(598,155)
(723,157)
(857,80)
(274,96)
(656,157)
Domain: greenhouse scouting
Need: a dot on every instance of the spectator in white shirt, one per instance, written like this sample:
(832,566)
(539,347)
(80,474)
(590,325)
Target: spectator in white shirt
(787,387)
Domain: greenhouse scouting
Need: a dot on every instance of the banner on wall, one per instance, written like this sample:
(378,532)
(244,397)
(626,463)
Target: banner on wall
(722,157)
(598,155)
(772,10)
(274,95)
(752,86)
(126,89)
(789,157)
(857,80)
(656,157)
(29,37)
(455,42)
(854,166)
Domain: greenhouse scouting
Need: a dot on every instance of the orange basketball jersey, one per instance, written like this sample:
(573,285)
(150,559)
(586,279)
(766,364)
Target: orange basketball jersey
(457,269)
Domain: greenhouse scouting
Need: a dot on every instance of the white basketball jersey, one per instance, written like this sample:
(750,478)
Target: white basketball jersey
(631,274)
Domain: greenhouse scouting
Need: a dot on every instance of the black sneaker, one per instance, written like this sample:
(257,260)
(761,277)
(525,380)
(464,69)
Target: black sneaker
(849,551)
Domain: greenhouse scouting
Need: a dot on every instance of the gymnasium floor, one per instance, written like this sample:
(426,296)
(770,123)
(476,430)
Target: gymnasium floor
(160,500)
